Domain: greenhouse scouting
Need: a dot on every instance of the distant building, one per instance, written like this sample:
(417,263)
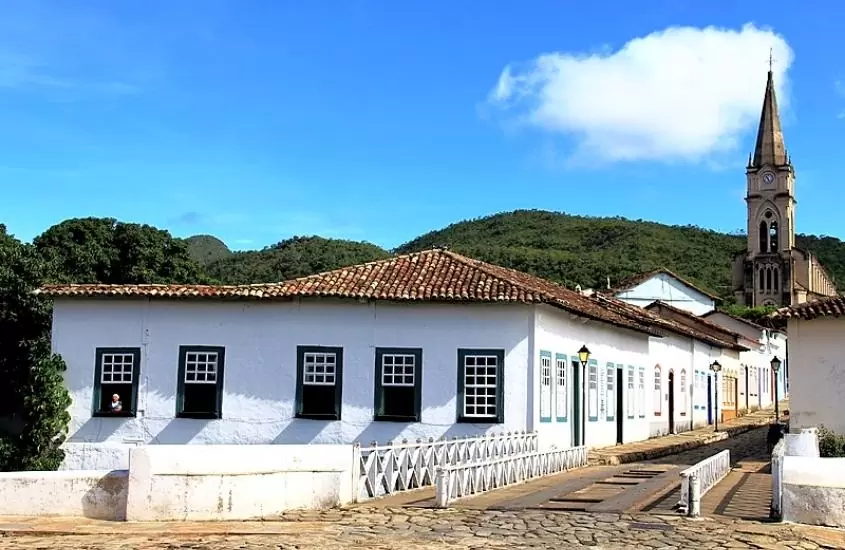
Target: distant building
(773,271)
(665,286)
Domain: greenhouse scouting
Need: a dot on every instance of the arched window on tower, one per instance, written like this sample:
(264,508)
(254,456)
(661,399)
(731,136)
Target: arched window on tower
(764,237)
(776,277)
(761,279)
(768,279)
(774,245)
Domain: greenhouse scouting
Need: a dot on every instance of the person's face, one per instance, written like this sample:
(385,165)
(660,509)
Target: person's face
(114,398)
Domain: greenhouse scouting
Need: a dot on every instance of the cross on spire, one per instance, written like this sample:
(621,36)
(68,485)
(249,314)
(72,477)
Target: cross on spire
(771,59)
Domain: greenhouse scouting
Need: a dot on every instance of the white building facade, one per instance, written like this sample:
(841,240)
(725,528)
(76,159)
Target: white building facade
(817,365)
(381,352)
(664,285)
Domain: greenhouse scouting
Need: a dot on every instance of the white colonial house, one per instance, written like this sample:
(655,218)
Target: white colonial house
(817,364)
(758,384)
(425,345)
(665,286)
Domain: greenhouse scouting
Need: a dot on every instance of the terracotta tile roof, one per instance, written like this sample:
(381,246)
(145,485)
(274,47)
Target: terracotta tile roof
(635,280)
(431,275)
(668,324)
(833,306)
(714,334)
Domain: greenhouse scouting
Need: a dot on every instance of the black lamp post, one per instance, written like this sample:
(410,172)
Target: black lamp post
(584,358)
(775,368)
(716,367)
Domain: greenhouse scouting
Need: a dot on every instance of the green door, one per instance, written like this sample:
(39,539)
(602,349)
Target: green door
(576,403)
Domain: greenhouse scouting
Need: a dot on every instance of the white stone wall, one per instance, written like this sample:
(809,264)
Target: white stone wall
(98,494)
(558,332)
(813,490)
(232,482)
(817,374)
(260,370)
(670,290)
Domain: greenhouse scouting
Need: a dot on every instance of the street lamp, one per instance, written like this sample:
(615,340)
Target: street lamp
(775,368)
(716,367)
(584,358)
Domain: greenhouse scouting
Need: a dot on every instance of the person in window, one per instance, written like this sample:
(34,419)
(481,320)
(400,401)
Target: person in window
(116,404)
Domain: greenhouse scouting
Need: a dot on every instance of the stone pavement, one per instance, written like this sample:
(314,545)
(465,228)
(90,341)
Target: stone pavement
(404,528)
(672,444)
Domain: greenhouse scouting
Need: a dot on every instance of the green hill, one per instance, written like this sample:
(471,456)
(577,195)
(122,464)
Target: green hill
(295,257)
(206,249)
(561,247)
(587,251)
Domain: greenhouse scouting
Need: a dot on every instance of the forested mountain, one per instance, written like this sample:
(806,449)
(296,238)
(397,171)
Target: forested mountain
(569,249)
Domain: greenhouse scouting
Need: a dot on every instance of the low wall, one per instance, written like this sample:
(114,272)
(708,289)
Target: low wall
(813,490)
(99,494)
(96,456)
(233,482)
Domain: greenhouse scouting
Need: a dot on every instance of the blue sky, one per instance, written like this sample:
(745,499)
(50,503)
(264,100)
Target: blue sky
(255,120)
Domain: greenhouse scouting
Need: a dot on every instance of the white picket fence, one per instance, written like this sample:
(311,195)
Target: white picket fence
(472,478)
(700,478)
(392,468)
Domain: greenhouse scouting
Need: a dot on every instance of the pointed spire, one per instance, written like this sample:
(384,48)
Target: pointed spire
(770,148)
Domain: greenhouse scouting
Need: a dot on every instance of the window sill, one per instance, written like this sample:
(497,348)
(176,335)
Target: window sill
(198,415)
(104,414)
(389,418)
(327,417)
(479,420)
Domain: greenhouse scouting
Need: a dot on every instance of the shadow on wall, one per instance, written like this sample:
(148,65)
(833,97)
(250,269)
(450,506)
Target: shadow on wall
(180,431)
(301,431)
(107,499)
(98,429)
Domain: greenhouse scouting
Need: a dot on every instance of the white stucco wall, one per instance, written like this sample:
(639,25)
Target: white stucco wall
(679,353)
(670,290)
(560,333)
(814,490)
(817,374)
(260,371)
(97,494)
(234,482)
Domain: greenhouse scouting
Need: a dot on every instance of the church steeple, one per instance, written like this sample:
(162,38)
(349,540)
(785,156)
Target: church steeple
(770,149)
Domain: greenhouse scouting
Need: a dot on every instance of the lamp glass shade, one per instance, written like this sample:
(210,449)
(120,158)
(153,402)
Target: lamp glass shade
(716,366)
(584,355)
(775,364)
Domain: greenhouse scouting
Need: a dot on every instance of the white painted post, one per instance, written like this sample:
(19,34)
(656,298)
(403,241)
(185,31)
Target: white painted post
(695,496)
(442,490)
(356,472)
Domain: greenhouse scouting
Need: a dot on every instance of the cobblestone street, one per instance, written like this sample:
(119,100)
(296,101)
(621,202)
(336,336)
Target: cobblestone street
(451,529)
(380,527)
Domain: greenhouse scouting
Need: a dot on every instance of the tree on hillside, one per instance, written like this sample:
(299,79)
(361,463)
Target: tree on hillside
(33,398)
(104,250)
(291,258)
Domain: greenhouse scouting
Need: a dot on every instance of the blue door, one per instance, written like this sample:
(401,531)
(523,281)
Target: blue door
(709,399)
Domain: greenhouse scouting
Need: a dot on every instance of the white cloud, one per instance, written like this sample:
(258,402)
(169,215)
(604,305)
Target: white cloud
(681,93)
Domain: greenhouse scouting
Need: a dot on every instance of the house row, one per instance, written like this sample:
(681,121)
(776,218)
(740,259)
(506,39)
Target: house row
(425,345)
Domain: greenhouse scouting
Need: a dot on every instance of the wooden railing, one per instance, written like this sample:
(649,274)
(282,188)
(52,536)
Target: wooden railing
(391,468)
(463,480)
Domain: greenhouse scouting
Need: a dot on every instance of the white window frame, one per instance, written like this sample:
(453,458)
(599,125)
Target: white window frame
(610,391)
(630,395)
(593,390)
(657,397)
(319,368)
(561,396)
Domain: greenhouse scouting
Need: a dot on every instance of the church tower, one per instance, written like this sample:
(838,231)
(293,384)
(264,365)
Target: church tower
(766,266)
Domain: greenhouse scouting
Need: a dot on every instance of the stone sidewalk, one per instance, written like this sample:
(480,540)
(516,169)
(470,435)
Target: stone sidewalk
(673,444)
(381,529)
